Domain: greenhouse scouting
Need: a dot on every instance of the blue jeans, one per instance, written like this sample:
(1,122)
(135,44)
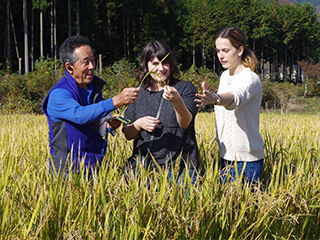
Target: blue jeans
(252,171)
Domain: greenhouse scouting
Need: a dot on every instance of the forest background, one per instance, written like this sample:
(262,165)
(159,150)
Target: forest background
(285,38)
(283,35)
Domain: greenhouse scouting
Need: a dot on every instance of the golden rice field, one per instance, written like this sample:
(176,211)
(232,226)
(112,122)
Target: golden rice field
(286,205)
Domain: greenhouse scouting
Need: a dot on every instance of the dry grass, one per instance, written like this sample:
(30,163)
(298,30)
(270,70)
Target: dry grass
(286,204)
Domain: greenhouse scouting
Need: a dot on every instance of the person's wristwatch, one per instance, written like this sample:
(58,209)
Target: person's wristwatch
(218,100)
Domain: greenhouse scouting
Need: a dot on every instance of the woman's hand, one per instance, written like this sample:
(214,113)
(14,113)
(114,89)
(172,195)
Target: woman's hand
(205,98)
(147,123)
(224,99)
(183,115)
(171,94)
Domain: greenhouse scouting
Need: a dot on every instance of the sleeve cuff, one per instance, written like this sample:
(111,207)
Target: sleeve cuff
(109,107)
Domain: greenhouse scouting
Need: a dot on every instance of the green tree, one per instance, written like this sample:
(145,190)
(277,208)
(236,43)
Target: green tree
(124,27)
(196,19)
(300,31)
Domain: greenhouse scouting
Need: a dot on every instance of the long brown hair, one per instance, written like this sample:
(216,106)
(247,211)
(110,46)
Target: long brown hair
(237,38)
(159,50)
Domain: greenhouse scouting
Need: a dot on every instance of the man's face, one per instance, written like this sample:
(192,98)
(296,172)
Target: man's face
(83,68)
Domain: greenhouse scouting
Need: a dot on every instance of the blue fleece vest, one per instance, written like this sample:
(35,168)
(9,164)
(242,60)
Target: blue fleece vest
(69,141)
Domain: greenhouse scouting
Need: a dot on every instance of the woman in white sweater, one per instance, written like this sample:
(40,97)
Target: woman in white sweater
(237,107)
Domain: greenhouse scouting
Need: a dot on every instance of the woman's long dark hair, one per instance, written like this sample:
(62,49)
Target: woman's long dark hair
(238,39)
(159,50)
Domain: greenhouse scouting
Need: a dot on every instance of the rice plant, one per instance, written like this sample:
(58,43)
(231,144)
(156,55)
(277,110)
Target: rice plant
(285,205)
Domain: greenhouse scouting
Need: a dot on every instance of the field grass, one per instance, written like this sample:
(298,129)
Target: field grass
(286,205)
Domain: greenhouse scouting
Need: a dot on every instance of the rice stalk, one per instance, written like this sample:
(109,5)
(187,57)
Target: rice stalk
(284,205)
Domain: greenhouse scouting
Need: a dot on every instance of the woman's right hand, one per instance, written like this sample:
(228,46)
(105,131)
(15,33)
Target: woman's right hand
(205,98)
(147,123)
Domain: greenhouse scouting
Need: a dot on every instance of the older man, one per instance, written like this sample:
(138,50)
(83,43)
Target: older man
(74,107)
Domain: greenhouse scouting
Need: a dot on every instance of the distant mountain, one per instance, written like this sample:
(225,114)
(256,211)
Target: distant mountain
(315,3)
(281,2)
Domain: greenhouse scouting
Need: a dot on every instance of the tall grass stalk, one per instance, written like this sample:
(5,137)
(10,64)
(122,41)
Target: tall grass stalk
(285,205)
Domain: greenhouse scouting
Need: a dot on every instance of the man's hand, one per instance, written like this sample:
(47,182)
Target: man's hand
(114,124)
(126,97)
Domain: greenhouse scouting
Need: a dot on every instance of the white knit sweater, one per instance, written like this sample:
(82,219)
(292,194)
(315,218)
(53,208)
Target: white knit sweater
(238,125)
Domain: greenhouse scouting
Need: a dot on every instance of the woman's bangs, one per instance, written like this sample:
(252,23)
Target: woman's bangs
(161,54)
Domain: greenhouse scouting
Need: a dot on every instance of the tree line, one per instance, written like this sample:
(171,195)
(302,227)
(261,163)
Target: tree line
(280,35)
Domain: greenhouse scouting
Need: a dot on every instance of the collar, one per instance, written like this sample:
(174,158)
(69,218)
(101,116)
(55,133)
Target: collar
(96,82)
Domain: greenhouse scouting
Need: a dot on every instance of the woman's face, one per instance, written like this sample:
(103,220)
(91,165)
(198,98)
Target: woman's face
(229,56)
(160,72)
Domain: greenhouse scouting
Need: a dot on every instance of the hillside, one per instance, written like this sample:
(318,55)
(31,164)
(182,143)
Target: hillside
(315,3)
(281,2)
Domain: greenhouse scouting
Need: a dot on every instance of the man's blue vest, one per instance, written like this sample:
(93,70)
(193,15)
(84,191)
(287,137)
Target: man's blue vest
(71,142)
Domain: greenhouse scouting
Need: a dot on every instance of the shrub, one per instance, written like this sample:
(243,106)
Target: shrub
(25,93)
(118,76)
(197,76)
(278,94)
